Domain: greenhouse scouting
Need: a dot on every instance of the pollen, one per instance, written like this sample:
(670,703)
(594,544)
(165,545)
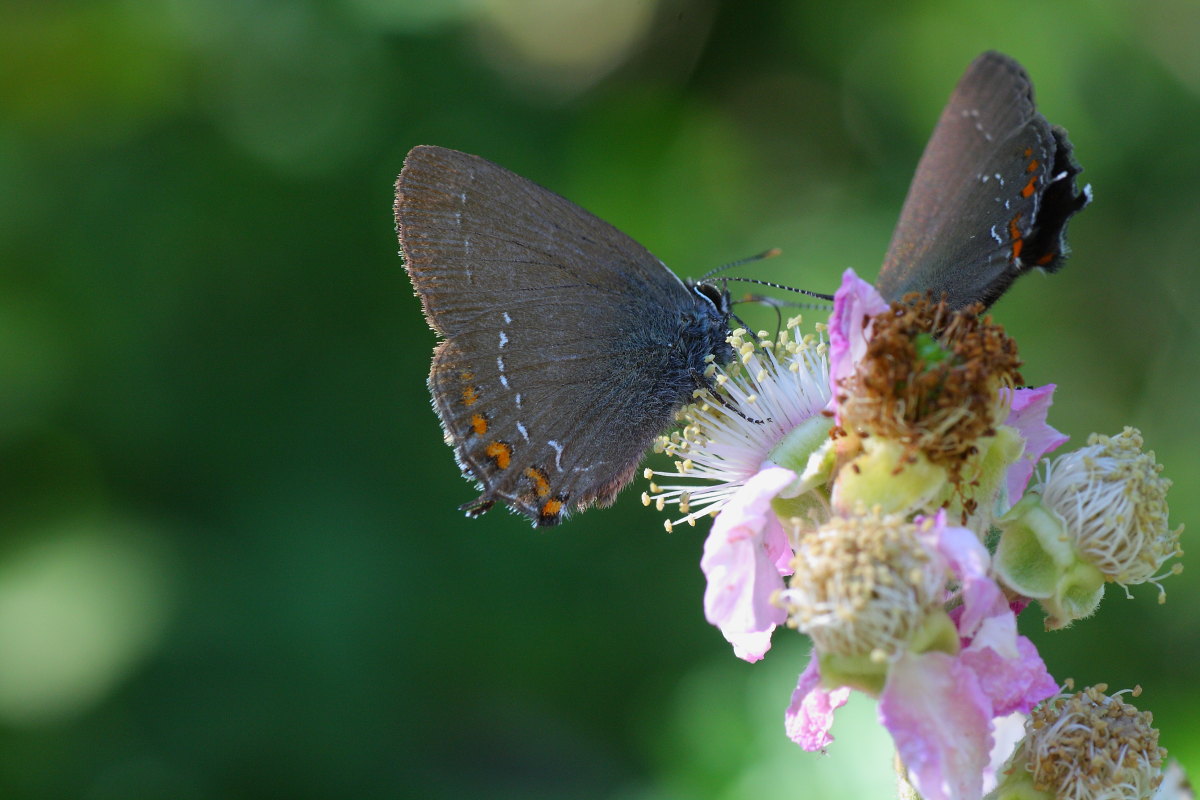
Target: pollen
(1113,499)
(1088,744)
(863,585)
(717,446)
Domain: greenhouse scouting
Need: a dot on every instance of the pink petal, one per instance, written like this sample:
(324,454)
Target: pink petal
(969,561)
(940,721)
(740,562)
(777,545)
(810,714)
(1012,684)
(1028,416)
(1008,667)
(853,303)
(750,646)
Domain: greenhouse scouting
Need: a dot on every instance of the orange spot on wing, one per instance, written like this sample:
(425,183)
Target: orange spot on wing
(1047,258)
(1015,232)
(470,395)
(1029,187)
(479,423)
(501,453)
(551,508)
(1028,152)
(541,483)
(1034,164)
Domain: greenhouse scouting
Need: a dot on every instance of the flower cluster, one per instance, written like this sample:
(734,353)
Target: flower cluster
(855,482)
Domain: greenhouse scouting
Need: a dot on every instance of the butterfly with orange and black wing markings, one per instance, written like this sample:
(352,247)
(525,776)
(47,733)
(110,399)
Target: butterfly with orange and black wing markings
(566,346)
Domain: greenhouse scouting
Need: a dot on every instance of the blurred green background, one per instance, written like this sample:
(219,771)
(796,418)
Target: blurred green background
(232,563)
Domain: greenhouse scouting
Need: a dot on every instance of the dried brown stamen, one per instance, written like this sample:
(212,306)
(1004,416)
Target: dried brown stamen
(931,379)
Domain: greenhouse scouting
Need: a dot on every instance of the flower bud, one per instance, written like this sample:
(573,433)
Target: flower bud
(1101,517)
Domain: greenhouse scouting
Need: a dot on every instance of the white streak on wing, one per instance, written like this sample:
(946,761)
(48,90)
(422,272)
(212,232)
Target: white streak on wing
(558,451)
(503,338)
(507,318)
(996,236)
(523,431)
(518,399)
(500,363)
(504,381)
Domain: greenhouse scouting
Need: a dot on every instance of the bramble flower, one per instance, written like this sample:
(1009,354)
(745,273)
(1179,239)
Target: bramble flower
(871,591)
(921,396)
(1085,746)
(1099,516)
(839,466)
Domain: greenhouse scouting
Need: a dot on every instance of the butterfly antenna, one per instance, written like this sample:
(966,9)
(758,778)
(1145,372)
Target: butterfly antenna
(763,256)
(773,285)
(776,303)
(740,321)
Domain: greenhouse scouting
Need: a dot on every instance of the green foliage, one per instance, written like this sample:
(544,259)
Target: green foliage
(213,372)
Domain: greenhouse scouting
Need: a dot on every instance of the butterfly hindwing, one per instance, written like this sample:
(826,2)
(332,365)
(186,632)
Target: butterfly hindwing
(991,196)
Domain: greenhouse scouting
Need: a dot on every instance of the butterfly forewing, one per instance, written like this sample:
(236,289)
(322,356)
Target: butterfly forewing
(562,353)
(991,195)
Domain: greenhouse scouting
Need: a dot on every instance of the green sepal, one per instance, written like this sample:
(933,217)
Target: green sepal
(937,634)
(865,673)
(1015,782)
(1036,558)
(891,476)
(806,450)
(987,476)
(858,672)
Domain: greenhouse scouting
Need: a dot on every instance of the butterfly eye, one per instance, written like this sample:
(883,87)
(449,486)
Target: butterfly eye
(714,295)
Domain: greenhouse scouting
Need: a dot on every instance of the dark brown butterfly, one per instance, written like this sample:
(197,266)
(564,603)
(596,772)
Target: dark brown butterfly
(991,196)
(567,347)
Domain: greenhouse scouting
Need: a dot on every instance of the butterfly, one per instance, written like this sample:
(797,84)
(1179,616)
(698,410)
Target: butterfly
(567,347)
